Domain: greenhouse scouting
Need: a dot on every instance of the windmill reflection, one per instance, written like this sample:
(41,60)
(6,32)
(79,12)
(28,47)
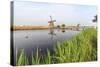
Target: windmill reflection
(52,33)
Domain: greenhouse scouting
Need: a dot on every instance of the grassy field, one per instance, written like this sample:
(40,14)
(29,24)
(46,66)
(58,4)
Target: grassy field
(81,48)
(30,27)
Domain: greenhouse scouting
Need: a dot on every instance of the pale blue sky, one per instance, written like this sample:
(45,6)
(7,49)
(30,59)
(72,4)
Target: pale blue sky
(30,13)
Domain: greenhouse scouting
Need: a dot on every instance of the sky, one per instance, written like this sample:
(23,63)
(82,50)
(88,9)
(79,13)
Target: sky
(38,13)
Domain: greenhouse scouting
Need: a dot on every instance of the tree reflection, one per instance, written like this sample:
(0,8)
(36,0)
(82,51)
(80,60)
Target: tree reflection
(63,30)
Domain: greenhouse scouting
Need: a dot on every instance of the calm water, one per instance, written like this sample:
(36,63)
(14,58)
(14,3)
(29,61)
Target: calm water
(29,40)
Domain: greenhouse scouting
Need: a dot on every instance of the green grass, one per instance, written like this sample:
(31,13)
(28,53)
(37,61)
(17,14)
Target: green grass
(22,59)
(35,59)
(48,57)
(81,48)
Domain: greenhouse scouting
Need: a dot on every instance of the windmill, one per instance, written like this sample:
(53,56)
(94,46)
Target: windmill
(95,19)
(51,27)
(51,23)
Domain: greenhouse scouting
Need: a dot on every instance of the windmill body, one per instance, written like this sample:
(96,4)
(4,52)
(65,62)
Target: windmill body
(51,23)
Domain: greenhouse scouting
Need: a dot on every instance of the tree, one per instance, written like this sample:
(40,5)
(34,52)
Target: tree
(63,25)
(58,26)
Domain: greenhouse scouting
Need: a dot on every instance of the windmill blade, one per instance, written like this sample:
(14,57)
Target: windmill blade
(49,21)
(53,20)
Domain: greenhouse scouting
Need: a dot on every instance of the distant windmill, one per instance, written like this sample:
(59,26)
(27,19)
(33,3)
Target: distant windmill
(95,19)
(51,23)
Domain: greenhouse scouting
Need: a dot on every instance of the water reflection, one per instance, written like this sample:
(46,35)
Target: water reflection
(63,30)
(52,33)
(26,37)
(31,39)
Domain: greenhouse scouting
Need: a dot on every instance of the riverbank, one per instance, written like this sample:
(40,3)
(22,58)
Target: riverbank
(32,27)
(15,28)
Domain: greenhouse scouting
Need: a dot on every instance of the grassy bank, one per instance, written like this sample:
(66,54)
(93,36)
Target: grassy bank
(80,48)
(15,28)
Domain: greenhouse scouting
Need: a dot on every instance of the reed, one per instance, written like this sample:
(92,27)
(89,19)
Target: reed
(35,59)
(22,59)
(82,47)
(48,57)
